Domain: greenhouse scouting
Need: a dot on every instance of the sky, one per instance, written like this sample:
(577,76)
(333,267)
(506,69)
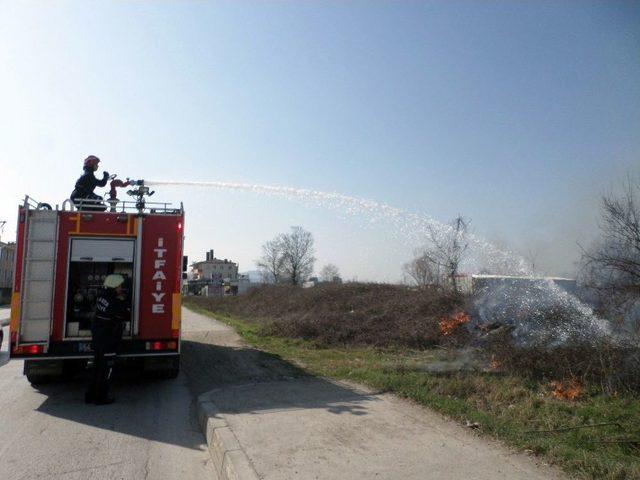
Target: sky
(517,115)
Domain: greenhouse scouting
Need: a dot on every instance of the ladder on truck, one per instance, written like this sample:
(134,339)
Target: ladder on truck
(38,278)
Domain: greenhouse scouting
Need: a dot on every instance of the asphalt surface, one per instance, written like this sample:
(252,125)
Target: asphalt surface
(49,433)
(214,356)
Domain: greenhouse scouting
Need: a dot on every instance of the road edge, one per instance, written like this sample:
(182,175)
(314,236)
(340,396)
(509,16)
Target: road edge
(229,459)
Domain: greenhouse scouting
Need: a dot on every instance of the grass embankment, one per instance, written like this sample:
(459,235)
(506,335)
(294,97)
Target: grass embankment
(516,409)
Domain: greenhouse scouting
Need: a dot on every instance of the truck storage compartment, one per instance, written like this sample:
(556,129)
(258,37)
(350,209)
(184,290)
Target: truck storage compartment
(90,261)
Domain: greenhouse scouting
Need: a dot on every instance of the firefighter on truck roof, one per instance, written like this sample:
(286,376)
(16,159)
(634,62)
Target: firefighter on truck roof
(87,183)
(112,310)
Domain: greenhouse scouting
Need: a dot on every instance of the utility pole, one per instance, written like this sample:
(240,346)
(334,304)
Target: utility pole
(2,224)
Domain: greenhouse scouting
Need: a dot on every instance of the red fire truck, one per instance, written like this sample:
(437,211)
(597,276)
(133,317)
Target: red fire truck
(62,257)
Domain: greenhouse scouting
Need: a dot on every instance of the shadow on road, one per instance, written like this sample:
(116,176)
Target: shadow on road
(155,410)
(246,380)
(158,410)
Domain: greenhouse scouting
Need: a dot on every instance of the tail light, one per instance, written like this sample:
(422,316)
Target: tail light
(29,349)
(162,345)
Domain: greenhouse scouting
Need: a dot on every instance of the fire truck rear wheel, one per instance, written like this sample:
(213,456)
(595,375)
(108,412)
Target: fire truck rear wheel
(39,372)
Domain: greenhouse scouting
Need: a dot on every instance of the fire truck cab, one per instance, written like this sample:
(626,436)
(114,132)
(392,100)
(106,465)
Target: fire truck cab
(62,257)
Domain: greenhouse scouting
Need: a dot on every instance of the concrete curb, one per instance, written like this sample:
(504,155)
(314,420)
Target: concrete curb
(229,459)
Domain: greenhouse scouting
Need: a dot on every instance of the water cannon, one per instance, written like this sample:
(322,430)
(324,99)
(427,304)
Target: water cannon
(113,195)
(142,189)
(140,193)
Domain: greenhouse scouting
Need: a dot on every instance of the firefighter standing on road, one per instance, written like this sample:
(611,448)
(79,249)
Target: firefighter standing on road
(87,183)
(112,310)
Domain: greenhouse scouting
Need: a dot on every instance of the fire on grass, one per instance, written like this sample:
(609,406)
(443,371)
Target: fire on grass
(494,364)
(450,324)
(567,390)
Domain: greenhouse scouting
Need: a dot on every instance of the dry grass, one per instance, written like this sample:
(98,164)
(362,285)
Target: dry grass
(383,316)
(350,314)
(602,364)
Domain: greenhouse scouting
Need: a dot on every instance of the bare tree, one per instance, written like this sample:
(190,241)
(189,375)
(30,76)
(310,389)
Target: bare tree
(272,260)
(447,248)
(612,266)
(422,270)
(329,272)
(297,254)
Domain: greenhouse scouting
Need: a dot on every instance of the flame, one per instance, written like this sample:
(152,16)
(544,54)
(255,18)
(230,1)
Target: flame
(449,324)
(567,390)
(494,364)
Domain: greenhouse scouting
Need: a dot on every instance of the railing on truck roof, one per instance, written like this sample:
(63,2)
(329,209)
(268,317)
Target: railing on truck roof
(104,206)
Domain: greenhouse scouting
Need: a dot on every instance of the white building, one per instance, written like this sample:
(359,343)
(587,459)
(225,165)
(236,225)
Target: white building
(215,269)
(216,277)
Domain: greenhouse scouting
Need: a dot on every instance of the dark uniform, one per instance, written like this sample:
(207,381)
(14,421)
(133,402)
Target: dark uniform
(84,188)
(111,311)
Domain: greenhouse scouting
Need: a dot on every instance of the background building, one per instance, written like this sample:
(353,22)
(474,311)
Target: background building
(215,268)
(7,255)
(216,277)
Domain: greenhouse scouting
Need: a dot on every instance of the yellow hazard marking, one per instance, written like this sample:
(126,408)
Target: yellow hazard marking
(101,234)
(131,229)
(15,312)
(176,301)
(77,220)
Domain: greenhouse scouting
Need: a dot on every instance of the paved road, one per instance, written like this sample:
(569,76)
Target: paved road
(290,425)
(150,432)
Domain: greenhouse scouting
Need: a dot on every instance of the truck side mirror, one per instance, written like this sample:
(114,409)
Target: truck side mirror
(185,263)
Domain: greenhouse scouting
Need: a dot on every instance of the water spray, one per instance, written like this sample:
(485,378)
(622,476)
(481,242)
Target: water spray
(415,227)
(408,225)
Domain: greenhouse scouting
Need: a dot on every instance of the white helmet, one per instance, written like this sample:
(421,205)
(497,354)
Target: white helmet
(114,280)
